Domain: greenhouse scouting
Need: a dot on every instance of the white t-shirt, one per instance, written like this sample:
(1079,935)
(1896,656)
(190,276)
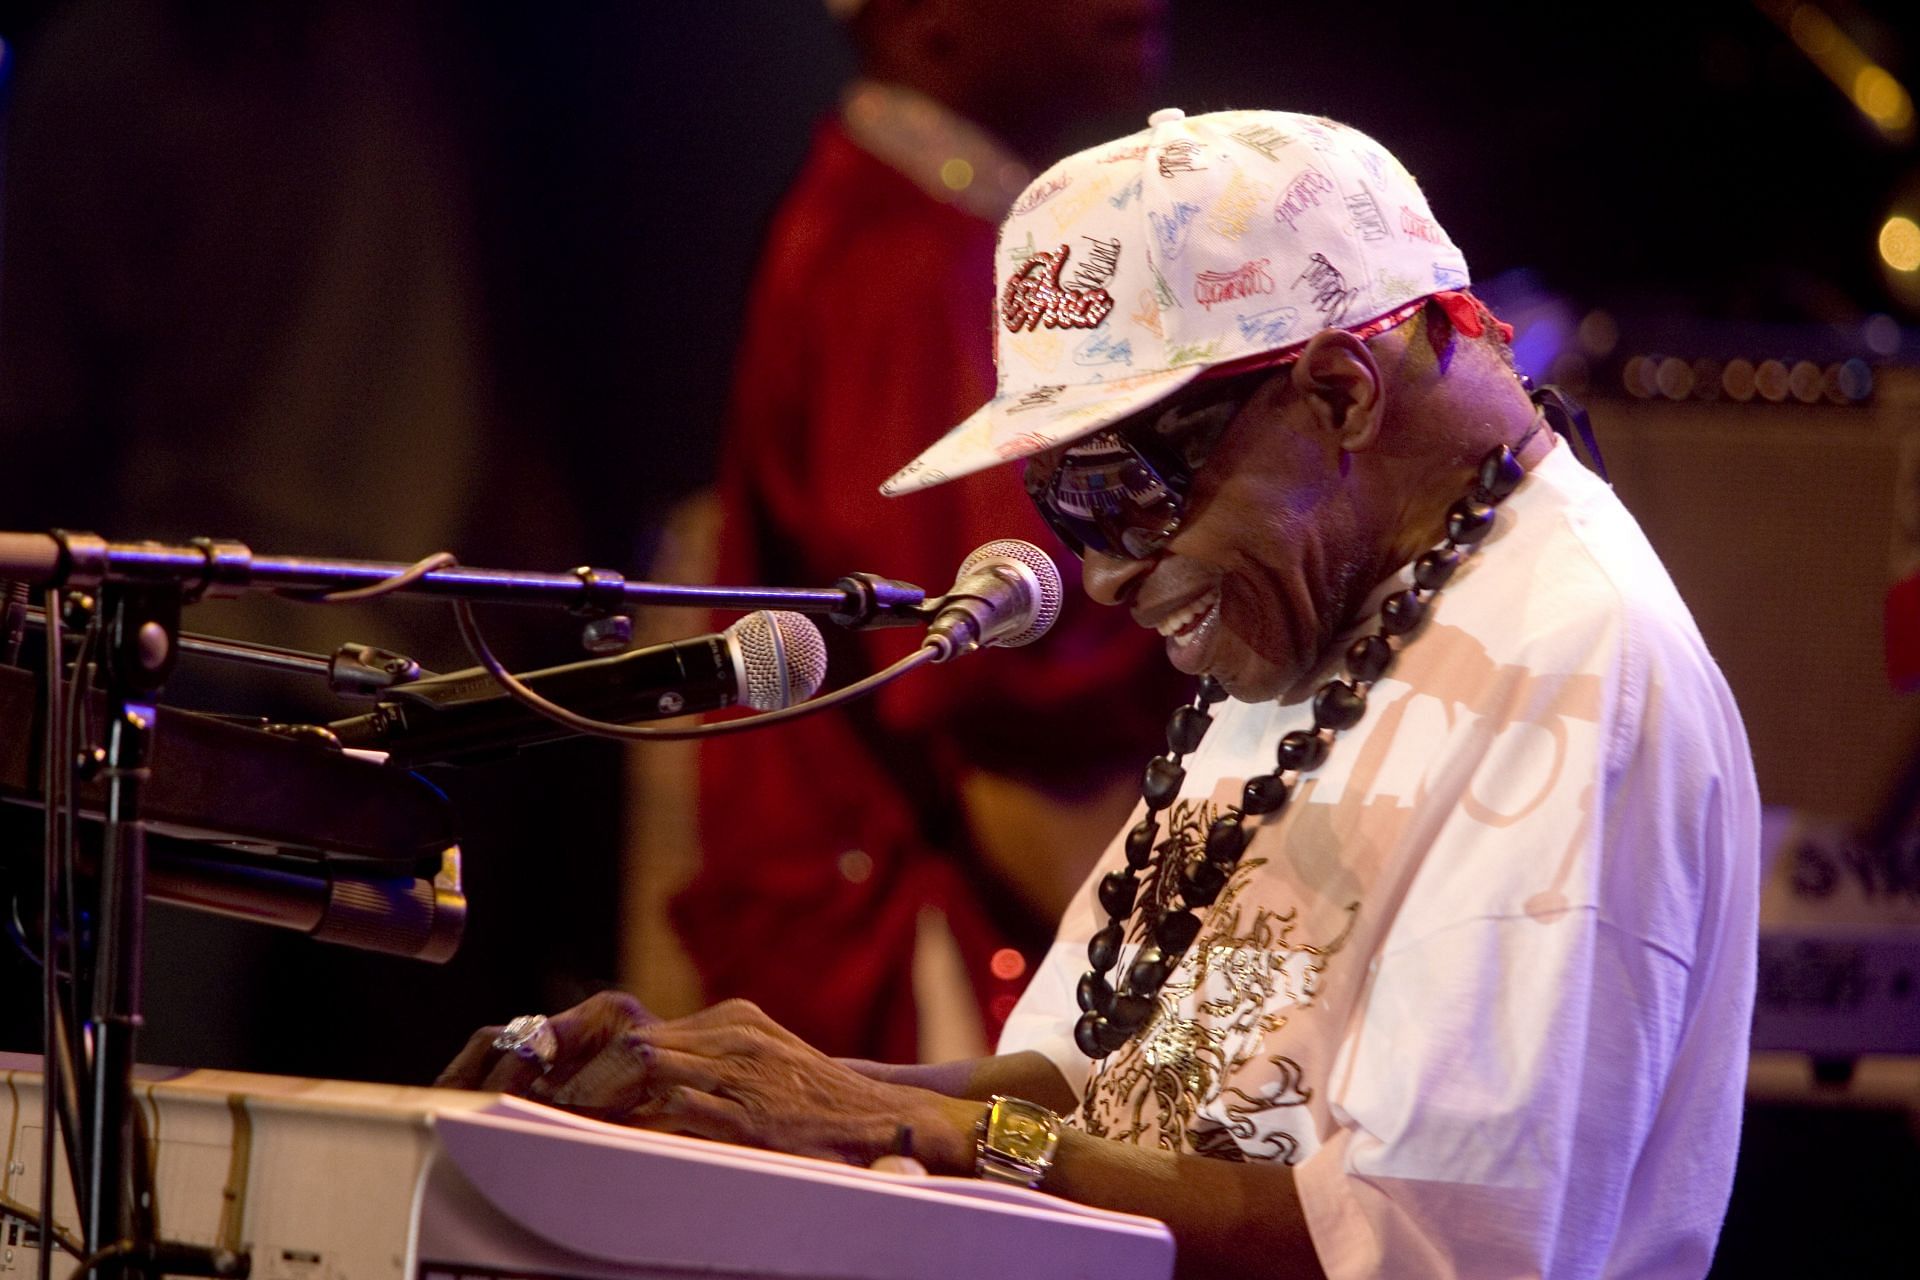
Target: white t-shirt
(1486,982)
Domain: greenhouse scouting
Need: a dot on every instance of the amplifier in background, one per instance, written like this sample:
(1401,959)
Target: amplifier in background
(1839,972)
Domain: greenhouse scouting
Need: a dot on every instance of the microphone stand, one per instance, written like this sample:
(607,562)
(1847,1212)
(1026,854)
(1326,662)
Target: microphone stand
(211,567)
(140,624)
(141,588)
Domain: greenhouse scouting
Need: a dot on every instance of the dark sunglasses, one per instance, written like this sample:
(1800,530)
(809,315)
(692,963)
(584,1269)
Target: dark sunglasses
(1122,491)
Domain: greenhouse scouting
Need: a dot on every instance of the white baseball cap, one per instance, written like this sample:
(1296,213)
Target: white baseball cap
(1128,270)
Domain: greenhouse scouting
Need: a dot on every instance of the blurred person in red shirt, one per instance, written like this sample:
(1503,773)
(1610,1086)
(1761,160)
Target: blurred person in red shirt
(876,878)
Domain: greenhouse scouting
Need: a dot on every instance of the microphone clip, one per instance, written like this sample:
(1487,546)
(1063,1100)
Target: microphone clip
(874,602)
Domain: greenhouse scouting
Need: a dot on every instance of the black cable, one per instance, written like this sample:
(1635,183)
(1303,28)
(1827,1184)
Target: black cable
(53,769)
(79,691)
(17,934)
(525,696)
(65,709)
(98,1258)
(405,578)
(48,1230)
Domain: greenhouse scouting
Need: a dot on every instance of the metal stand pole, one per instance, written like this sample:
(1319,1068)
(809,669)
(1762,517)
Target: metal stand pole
(141,626)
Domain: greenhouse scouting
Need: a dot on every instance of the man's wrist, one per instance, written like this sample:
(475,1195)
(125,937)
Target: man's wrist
(953,1148)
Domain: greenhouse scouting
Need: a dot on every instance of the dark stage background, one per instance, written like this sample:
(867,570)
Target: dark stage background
(373,279)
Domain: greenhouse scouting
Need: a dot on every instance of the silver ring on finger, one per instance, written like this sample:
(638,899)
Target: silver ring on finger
(530,1039)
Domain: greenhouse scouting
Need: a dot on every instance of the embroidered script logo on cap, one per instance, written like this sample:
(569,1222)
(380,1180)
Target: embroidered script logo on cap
(1035,297)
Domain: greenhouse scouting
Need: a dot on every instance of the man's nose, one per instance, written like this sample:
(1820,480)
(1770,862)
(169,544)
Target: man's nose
(1111,579)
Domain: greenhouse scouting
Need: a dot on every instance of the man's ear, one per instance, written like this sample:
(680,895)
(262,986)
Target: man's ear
(1339,381)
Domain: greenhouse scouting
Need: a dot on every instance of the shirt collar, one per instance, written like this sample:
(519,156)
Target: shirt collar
(947,156)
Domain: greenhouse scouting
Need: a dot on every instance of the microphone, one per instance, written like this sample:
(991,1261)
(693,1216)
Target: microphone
(765,661)
(1006,594)
(331,900)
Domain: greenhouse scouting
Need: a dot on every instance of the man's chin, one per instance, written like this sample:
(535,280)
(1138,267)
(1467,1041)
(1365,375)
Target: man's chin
(1258,681)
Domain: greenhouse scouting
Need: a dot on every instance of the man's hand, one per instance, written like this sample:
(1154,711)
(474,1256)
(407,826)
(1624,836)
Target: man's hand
(733,1074)
(592,1068)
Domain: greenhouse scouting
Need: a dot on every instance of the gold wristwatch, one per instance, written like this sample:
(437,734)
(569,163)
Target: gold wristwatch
(1016,1143)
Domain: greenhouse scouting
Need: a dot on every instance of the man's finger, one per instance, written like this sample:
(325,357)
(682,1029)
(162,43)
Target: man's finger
(469,1067)
(697,1114)
(581,1034)
(714,1041)
(510,1073)
(726,1013)
(664,1068)
(611,1084)
(594,1023)
(578,1035)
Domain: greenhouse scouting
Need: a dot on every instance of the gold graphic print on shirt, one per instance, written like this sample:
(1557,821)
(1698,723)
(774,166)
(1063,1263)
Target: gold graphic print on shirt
(1246,971)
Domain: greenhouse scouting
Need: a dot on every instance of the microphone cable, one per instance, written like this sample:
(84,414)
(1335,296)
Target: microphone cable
(526,697)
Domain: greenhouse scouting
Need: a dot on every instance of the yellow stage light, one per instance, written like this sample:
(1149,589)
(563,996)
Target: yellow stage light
(1882,99)
(1900,243)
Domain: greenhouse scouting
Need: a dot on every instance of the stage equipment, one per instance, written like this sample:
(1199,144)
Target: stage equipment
(765,661)
(308,1179)
(182,776)
(1007,593)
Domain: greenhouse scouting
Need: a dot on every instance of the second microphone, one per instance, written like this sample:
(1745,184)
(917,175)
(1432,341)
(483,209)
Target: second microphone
(764,661)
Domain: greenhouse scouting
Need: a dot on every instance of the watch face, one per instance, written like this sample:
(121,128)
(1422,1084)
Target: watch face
(1022,1130)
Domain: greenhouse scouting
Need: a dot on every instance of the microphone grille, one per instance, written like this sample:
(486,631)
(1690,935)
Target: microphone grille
(783,656)
(1046,609)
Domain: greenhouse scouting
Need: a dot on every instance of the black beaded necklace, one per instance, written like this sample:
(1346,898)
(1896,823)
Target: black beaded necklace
(1109,1014)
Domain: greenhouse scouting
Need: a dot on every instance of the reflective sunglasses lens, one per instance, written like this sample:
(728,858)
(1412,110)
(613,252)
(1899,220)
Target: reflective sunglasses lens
(1143,543)
(1101,495)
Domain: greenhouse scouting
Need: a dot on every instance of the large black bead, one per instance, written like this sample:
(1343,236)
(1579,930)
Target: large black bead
(1140,843)
(1186,728)
(1149,971)
(1130,1012)
(1089,1035)
(1225,840)
(1368,658)
(1095,993)
(1201,882)
(1118,889)
(1265,794)
(1401,612)
(1469,521)
(1301,751)
(1500,474)
(1434,569)
(1103,949)
(1338,705)
(1212,691)
(1162,782)
(1175,932)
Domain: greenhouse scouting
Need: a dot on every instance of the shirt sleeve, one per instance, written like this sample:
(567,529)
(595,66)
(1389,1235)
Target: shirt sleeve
(1487,1057)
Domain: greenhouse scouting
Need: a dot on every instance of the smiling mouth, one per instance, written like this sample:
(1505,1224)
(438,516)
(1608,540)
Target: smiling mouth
(1186,627)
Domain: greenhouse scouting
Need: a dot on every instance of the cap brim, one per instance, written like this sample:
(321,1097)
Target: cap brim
(1008,428)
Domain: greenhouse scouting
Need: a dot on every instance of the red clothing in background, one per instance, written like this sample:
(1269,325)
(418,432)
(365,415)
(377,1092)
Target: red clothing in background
(867,337)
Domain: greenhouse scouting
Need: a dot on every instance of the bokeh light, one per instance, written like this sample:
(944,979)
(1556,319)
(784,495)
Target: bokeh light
(1737,379)
(1900,243)
(1882,99)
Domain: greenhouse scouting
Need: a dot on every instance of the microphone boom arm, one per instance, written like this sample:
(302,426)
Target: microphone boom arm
(217,568)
